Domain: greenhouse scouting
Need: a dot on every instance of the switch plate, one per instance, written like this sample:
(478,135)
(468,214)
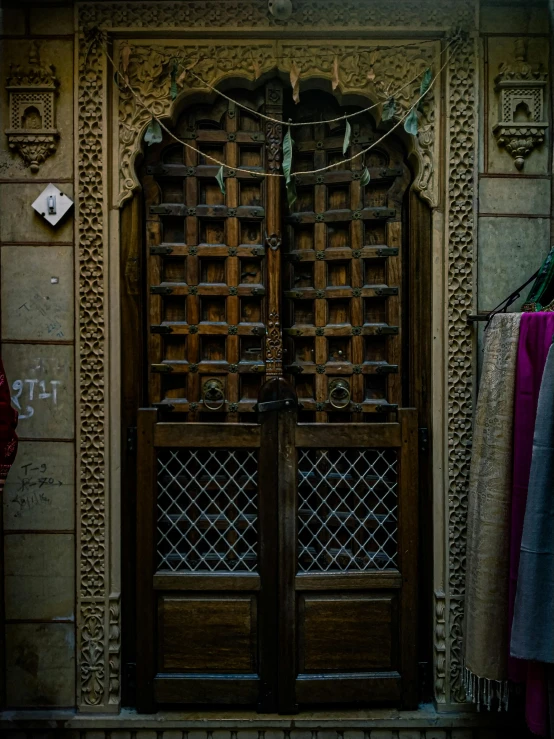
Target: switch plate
(63,204)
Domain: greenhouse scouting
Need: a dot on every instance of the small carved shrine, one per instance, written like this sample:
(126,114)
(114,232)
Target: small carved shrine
(521,86)
(32,93)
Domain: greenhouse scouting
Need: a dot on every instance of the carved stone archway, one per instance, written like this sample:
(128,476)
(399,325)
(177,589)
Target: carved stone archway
(445,149)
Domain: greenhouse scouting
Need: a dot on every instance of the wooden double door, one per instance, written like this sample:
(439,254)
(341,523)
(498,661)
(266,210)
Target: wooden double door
(277,469)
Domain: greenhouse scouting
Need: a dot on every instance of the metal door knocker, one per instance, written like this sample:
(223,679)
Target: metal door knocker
(339,393)
(212,395)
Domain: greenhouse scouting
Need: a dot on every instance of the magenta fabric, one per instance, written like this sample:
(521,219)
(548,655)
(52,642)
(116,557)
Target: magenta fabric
(535,337)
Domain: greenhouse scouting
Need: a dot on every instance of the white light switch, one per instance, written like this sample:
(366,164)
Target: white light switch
(52,204)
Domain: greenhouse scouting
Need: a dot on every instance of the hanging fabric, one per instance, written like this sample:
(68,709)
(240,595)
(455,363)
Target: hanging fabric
(486,612)
(541,295)
(8,423)
(535,337)
(533,624)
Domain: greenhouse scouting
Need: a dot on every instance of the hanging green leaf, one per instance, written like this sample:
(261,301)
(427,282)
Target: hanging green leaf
(389,109)
(220,180)
(117,78)
(411,122)
(365,178)
(425,82)
(288,143)
(346,142)
(291,192)
(174,80)
(153,133)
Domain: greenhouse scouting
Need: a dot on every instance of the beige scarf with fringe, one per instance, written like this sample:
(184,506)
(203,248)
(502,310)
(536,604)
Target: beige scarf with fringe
(486,646)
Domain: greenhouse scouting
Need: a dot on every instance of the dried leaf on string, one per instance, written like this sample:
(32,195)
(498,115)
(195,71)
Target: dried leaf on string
(174,80)
(220,180)
(182,77)
(288,144)
(291,192)
(411,122)
(125,57)
(372,60)
(346,142)
(365,178)
(153,133)
(425,82)
(389,109)
(335,81)
(295,82)
(256,65)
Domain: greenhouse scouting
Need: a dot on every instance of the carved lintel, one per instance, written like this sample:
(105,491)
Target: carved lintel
(32,91)
(521,86)
(149,72)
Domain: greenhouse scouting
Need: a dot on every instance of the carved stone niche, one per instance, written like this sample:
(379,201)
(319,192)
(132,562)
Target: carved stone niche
(32,97)
(521,86)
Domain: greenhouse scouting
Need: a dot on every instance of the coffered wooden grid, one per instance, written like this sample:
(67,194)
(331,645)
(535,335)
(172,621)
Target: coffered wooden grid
(341,288)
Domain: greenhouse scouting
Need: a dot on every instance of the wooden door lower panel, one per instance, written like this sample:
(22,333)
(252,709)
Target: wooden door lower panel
(241,690)
(208,648)
(348,647)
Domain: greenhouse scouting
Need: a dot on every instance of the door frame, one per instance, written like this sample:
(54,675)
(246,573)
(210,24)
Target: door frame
(104,181)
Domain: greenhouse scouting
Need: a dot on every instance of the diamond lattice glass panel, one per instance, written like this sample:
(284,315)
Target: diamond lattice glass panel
(207,510)
(347,509)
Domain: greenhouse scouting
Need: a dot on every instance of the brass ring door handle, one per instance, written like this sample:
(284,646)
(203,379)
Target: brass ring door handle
(339,394)
(212,395)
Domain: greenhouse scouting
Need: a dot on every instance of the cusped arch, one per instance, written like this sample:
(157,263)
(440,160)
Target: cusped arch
(135,113)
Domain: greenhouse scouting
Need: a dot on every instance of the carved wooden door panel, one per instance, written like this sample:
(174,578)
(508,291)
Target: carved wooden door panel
(277,500)
(344,271)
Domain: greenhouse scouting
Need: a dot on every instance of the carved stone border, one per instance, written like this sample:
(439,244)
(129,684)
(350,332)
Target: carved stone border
(462,153)
(98,626)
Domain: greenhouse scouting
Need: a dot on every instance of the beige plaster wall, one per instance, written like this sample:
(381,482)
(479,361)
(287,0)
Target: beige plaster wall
(37,328)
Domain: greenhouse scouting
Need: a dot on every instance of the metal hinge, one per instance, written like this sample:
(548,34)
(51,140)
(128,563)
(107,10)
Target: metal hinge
(131,440)
(276,405)
(423,434)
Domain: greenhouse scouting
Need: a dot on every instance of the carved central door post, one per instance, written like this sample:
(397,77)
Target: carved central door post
(274,138)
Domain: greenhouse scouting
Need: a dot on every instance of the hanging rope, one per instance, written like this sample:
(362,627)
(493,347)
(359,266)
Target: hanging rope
(162,125)
(344,117)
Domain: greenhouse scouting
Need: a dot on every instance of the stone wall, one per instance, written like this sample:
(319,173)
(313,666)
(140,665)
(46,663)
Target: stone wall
(37,331)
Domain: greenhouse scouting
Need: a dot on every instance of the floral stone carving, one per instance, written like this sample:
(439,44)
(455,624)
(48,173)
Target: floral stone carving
(32,92)
(521,86)
(374,76)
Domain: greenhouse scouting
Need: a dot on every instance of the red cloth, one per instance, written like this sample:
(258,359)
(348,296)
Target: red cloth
(8,423)
(535,337)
